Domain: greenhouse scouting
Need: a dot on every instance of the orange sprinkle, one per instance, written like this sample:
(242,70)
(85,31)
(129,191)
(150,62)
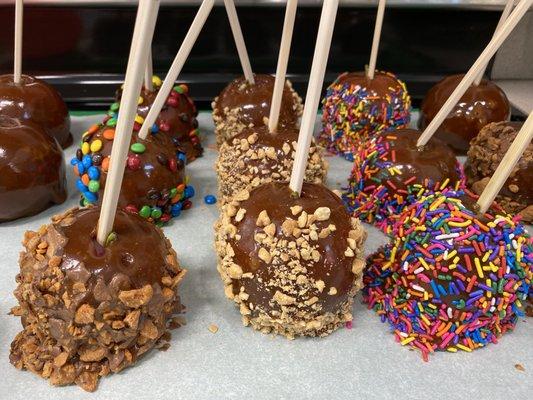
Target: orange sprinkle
(109,134)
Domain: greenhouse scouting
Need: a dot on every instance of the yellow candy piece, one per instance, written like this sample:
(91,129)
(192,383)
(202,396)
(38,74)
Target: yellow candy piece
(156,80)
(139,119)
(140,100)
(96,145)
(85,148)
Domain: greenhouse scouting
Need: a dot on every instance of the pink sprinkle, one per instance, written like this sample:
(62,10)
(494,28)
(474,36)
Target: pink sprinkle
(349,325)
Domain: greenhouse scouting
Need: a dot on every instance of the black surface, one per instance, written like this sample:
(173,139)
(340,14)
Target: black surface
(83,50)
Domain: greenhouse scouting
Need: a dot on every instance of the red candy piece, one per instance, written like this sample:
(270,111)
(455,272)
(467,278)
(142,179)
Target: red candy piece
(172,101)
(134,162)
(163,126)
(165,218)
(187,204)
(173,165)
(132,209)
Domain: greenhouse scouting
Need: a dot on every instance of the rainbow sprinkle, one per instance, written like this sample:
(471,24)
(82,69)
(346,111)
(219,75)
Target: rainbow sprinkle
(352,113)
(375,193)
(450,280)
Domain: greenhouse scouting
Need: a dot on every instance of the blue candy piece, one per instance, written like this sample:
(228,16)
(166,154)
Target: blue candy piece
(155,128)
(81,168)
(210,199)
(94,173)
(189,192)
(87,161)
(81,187)
(74,161)
(182,157)
(90,197)
(176,209)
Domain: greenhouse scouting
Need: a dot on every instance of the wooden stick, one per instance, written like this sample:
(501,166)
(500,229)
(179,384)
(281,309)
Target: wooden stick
(375,41)
(505,13)
(283,60)
(467,80)
(142,38)
(17,58)
(314,90)
(239,40)
(506,166)
(177,65)
(149,73)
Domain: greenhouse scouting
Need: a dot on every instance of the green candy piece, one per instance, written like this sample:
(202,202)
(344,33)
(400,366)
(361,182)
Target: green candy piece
(173,192)
(111,238)
(111,122)
(94,186)
(138,148)
(85,202)
(156,213)
(145,211)
(178,89)
(114,106)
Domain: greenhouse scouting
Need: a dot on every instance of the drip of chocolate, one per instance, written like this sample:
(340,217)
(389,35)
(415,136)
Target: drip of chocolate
(479,106)
(35,100)
(32,170)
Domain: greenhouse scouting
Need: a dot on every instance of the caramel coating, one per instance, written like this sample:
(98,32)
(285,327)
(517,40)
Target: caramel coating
(292,264)
(37,101)
(486,151)
(256,156)
(32,170)
(479,106)
(88,310)
(241,105)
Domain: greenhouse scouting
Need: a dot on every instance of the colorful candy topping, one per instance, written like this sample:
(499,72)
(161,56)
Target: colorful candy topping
(451,280)
(353,112)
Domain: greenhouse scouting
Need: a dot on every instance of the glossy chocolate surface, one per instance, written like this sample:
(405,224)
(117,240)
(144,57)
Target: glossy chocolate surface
(150,182)
(255,101)
(32,171)
(334,268)
(36,100)
(177,119)
(479,106)
(435,161)
(134,259)
(381,85)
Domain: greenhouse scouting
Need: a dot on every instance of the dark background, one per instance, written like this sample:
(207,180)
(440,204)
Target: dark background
(83,50)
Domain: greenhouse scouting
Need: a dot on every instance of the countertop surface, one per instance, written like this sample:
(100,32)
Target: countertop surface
(237,362)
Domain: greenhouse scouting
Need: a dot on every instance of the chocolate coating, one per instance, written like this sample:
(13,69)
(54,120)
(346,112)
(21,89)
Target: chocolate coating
(32,170)
(306,285)
(86,310)
(479,106)
(177,118)
(256,156)
(242,105)
(37,101)
(388,169)
(486,151)
(154,179)
(136,259)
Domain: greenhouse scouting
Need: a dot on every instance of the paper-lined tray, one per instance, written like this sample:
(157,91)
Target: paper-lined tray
(237,362)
